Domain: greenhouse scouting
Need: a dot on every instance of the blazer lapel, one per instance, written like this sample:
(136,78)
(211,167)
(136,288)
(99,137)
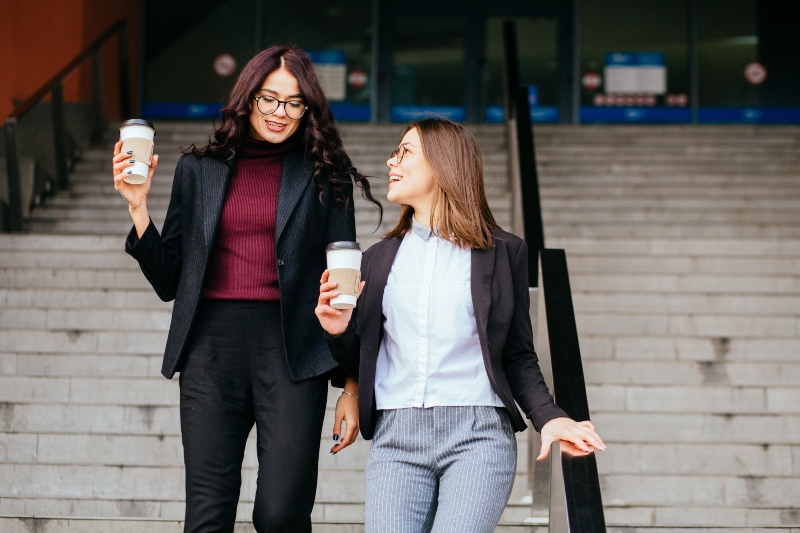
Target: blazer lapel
(481,271)
(296,173)
(213,184)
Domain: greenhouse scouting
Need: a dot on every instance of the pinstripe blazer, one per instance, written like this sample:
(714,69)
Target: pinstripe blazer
(501,301)
(174,262)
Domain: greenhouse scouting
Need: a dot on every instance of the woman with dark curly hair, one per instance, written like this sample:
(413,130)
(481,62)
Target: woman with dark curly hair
(242,247)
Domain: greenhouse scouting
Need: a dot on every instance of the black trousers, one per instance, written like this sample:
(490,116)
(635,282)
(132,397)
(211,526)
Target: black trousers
(235,375)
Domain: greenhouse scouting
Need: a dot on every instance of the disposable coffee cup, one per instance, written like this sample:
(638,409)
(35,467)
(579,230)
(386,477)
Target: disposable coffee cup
(137,136)
(344,267)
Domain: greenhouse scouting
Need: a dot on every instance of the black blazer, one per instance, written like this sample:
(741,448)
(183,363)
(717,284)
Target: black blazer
(175,261)
(500,298)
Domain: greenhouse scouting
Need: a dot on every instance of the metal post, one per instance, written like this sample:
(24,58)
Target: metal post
(694,87)
(375,64)
(510,68)
(539,471)
(98,108)
(559,521)
(12,171)
(529,184)
(59,137)
(124,74)
(576,63)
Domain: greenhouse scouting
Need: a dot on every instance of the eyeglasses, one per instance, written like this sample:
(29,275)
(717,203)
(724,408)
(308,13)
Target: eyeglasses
(399,154)
(268,105)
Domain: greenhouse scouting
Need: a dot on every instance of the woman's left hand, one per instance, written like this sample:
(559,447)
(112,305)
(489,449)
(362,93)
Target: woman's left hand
(347,410)
(581,434)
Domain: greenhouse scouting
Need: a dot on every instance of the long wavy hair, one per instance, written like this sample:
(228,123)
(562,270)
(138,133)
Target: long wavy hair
(323,144)
(460,212)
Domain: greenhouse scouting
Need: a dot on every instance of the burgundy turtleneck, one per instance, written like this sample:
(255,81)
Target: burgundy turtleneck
(242,264)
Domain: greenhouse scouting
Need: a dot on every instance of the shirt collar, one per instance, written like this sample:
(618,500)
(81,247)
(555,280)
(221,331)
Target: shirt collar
(420,231)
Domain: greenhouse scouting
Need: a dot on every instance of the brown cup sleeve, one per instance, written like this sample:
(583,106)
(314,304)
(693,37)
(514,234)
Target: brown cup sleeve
(142,149)
(347,278)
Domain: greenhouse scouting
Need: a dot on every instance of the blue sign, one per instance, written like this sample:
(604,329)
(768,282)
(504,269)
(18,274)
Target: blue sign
(533,95)
(546,114)
(752,115)
(635,59)
(351,112)
(406,113)
(327,57)
(653,115)
(181,109)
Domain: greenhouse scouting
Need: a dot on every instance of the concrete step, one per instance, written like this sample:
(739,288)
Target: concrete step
(722,231)
(706,349)
(25,524)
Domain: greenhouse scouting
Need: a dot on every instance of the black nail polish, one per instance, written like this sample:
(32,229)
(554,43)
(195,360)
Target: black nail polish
(132,160)
(334,453)
(129,153)
(129,171)
(336,437)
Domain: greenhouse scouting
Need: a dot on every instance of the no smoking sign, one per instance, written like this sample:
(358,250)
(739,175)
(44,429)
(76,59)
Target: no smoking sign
(755,73)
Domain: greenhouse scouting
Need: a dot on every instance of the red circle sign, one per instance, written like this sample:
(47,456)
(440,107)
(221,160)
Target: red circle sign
(357,79)
(755,73)
(591,80)
(224,65)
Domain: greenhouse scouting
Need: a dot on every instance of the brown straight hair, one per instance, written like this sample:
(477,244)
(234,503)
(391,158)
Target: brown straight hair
(460,211)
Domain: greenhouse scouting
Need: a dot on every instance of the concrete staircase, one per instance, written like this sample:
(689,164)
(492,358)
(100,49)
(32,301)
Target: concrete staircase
(88,426)
(684,252)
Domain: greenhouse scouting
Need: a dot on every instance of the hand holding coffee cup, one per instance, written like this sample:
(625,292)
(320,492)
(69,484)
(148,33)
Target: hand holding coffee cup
(132,176)
(340,286)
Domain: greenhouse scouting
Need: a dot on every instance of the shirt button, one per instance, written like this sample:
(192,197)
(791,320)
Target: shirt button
(280,262)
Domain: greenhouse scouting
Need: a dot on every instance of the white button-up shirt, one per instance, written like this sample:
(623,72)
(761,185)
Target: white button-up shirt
(430,354)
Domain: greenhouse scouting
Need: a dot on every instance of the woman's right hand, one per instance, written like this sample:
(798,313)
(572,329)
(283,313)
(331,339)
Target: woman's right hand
(135,195)
(334,321)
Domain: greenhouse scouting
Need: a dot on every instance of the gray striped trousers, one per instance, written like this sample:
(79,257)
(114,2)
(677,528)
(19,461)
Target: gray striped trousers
(440,470)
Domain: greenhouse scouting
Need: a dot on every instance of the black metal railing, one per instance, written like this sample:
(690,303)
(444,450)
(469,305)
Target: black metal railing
(578,471)
(575,501)
(518,115)
(54,87)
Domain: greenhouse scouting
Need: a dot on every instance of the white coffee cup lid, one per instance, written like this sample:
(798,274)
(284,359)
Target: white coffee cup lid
(343,245)
(139,122)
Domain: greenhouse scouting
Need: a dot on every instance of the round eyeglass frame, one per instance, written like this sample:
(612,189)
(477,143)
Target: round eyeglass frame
(400,153)
(284,102)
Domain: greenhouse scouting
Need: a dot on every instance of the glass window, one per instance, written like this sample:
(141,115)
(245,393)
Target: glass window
(428,68)
(727,41)
(192,65)
(634,61)
(538,66)
(338,36)
(747,62)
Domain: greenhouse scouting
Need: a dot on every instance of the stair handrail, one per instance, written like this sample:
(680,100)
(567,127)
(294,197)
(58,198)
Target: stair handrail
(54,87)
(576,503)
(575,497)
(518,117)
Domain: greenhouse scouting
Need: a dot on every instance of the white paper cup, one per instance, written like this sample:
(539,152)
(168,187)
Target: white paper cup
(137,136)
(344,267)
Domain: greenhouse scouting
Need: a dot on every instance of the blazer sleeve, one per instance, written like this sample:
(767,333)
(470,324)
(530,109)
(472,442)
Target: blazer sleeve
(341,224)
(346,347)
(519,357)
(160,255)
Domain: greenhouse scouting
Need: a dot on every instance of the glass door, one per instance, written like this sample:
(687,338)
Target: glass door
(538,67)
(427,68)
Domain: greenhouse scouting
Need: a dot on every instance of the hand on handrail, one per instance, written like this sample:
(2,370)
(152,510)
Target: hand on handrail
(580,434)
(135,195)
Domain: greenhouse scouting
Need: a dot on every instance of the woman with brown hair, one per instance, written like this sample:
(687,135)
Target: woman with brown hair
(242,246)
(442,347)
